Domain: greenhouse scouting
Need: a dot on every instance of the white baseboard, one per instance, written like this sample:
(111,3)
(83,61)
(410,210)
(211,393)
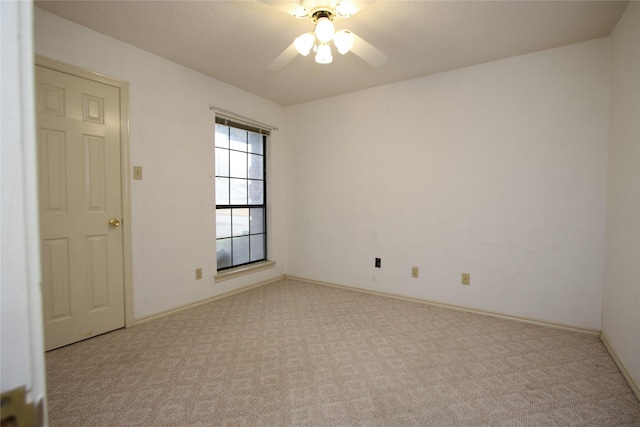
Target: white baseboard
(588,331)
(155,316)
(623,370)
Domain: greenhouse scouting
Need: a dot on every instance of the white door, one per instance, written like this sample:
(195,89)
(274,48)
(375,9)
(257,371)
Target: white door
(79,145)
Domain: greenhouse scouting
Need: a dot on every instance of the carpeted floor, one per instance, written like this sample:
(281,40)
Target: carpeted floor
(294,354)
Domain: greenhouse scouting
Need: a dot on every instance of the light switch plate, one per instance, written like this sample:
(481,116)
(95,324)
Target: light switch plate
(137,172)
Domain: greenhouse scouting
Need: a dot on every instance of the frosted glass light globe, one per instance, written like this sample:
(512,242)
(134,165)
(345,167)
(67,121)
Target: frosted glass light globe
(324,30)
(304,43)
(343,40)
(323,56)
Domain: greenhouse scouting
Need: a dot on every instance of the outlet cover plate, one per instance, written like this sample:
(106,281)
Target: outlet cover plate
(415,272)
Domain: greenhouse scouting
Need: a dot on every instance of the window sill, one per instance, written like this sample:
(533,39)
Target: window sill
(232,273)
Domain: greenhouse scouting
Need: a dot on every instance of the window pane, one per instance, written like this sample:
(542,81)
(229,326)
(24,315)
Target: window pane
(256,192)
(255,143)
(256,221)
(222,162)
(222,191)
(222,136)
(255,166)
(223,249)
(240,222)
(238,194)
(223,223)
(240,186)
(238,139)
(238,167)
(257,247)
(240,250)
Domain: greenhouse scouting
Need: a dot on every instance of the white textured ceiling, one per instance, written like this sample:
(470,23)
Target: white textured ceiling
(234,41)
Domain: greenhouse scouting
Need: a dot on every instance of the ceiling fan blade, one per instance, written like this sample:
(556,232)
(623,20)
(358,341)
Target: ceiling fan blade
(283,59)
(291,7)
(366,51)
(351,7)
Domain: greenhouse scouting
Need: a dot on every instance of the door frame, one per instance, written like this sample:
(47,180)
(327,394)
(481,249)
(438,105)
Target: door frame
(123,88)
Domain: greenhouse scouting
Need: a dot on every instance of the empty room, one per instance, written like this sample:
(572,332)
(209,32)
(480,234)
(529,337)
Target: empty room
(366,213)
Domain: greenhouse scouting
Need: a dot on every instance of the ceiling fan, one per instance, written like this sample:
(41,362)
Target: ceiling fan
(323,13)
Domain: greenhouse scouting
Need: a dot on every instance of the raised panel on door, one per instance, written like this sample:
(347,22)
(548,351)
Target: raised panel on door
(53,171)
(95,169)
(97,273)
(51,100)
(92,108)
(56,280)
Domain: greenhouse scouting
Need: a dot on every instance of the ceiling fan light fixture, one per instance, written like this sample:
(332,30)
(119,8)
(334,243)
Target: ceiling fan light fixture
(323,55)
(343,40)
(324,29)
(304,43)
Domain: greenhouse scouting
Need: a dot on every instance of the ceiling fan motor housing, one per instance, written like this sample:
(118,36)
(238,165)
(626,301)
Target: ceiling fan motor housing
(322,13)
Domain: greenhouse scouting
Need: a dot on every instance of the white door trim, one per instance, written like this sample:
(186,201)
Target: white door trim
(123,87)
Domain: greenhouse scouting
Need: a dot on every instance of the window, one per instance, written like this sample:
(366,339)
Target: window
(240,162)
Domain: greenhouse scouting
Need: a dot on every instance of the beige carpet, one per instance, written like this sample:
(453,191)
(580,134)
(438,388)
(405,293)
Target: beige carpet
(295,354)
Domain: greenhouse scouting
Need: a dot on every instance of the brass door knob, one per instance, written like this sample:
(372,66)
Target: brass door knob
(113,222)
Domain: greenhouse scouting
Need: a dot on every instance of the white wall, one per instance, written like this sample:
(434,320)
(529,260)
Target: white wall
(497,170)
(171,137)
(621,309)
(22,347)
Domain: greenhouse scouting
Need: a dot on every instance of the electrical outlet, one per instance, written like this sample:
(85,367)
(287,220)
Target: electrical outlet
(466,279)
(378,262)
(198,273)
(414,272)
